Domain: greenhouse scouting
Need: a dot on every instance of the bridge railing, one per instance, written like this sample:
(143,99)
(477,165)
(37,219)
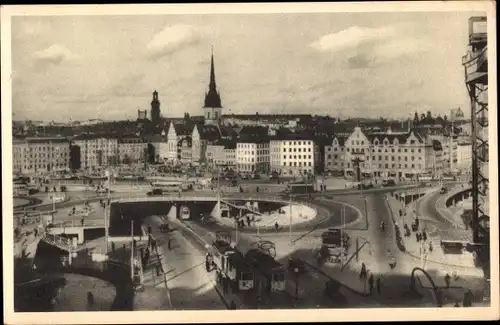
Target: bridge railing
(78,223)
(60,242)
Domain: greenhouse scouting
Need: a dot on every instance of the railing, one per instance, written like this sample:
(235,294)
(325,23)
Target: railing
(78,223)
(171,198)
(59,242)
(472,61)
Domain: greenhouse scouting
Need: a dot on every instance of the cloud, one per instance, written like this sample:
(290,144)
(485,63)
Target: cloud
(172,39)
(351,37)
(55,54)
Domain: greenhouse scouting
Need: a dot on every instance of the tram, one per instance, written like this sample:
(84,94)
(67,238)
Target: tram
(269,273)
(230,262)
(184,214)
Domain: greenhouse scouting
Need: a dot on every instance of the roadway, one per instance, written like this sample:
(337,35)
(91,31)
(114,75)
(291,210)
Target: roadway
(312,283)
(442,227)
(187,280)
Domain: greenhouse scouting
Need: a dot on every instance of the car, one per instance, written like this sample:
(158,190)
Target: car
(298,264)
(443,190)
(338,232)
(154,192)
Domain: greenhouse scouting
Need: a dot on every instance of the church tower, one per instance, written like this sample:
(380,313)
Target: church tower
(155,110)
(213,107)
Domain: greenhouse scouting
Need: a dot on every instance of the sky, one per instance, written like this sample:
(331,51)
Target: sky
(338,64)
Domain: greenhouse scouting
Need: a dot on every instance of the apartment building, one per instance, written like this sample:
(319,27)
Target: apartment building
(41,154)
(221,153)
(464,156)
(132,149)
(97,151)
(19,150)
(293,155)
(384,154)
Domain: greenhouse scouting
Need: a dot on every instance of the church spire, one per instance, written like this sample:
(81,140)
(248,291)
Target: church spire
(213,85)
(212,98)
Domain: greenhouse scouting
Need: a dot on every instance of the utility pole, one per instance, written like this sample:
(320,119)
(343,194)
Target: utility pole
(107,211)
(290,225)
(237,220)
(132,250)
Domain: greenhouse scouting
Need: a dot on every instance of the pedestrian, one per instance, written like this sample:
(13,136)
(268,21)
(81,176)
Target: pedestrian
(90,299)
(169,244)
(153,244)
(417,222)
(417,236)
(82,221)
(276,226)
(224,285)
(362,274)
(447,280)
(467,302)
(430,247)
(370,283)
(257,189)
(424,235)
(158,269)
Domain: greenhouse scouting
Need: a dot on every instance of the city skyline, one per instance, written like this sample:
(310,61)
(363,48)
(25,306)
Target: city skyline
(349,64)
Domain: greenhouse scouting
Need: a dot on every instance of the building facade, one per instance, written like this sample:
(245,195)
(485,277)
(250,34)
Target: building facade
(132,150)
(252,157)
(97,151)
(464,156)
(41,154)
(293,156)
(401,155)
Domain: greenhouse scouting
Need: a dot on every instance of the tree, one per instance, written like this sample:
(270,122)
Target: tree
(429,115)
(415,118)
(445,118)
(422,117)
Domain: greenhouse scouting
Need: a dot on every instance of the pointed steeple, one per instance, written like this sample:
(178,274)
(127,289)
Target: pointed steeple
(212,85)
(212,97)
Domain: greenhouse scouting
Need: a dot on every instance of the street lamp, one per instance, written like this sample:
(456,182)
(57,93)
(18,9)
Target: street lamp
(296,272)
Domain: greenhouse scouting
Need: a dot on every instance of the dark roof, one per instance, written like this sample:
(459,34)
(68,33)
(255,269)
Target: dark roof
(401,137)
(93,136)
(155,138)
(238,260)
(253,134)
(262,261)
(210,132)
(222,246)
(46,139)
(340,138)
(267,116)
(227,143)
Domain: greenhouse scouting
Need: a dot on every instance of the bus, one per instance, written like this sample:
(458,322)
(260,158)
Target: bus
(167,186)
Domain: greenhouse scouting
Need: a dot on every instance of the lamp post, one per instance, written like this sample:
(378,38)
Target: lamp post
(290,225)
(296,272)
